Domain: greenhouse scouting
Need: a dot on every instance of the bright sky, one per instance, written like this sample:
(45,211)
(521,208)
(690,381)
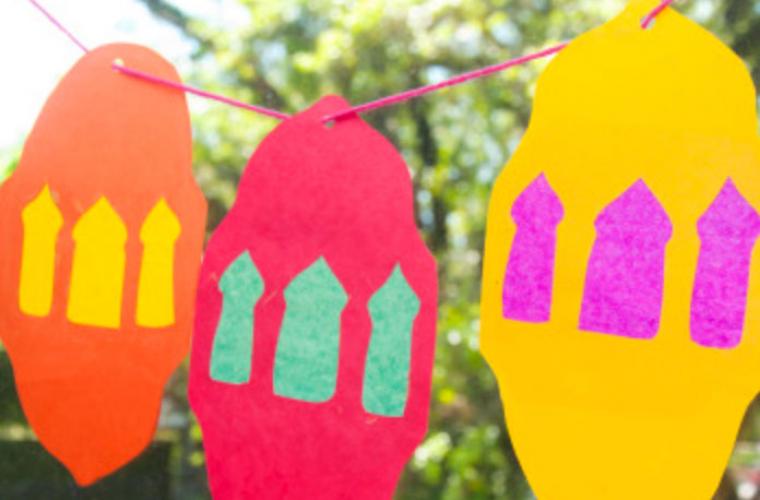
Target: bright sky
(34,55)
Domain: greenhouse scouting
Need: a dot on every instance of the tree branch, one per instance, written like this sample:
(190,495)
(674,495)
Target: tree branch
(168,12)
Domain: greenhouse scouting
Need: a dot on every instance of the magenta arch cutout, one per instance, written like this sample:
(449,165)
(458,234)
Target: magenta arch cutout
(625,273)
(728,231)
(527,291)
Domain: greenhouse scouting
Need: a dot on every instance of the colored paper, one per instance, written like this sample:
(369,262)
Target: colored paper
(306,360)
(619,311)
(727,232)
(102,227)
(315,327)
(241,287)
(529,274)
(624,276)
(386,375)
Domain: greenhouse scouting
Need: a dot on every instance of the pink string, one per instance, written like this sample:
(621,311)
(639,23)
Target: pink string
(478,73)
(426,89)
(162,81)
(201,93)
(361,108)
(655,12)
(60,26)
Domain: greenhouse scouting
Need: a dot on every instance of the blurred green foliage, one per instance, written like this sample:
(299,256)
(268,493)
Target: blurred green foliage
(288,53)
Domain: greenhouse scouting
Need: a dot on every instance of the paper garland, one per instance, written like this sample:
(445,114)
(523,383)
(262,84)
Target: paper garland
(619,310)
(315,327)
(102,230)
(619,254)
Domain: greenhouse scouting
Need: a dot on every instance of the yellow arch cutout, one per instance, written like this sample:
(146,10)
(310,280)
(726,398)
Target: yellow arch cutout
(155,297)
(42,222)
(97,272)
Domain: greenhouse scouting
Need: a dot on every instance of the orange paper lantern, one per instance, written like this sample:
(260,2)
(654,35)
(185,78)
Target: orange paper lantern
(102,226)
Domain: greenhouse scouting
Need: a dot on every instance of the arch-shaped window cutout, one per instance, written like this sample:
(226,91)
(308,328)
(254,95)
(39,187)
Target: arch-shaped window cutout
(241,286)
(728,230)
(155,294)
(42,222)
(393,309)
(97,270)
(306,363)
(625,273)
(528,279)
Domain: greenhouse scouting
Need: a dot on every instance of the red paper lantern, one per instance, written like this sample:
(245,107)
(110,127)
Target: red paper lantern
(315,326)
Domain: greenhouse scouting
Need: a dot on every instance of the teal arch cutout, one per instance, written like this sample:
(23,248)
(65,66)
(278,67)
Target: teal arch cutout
(393,309)
(241,286)
(306,363)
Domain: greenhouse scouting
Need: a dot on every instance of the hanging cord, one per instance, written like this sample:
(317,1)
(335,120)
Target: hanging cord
(361,108)
(649,18)
(456,80)
(472,75)
(59,25)
(117,65)
(199,92)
